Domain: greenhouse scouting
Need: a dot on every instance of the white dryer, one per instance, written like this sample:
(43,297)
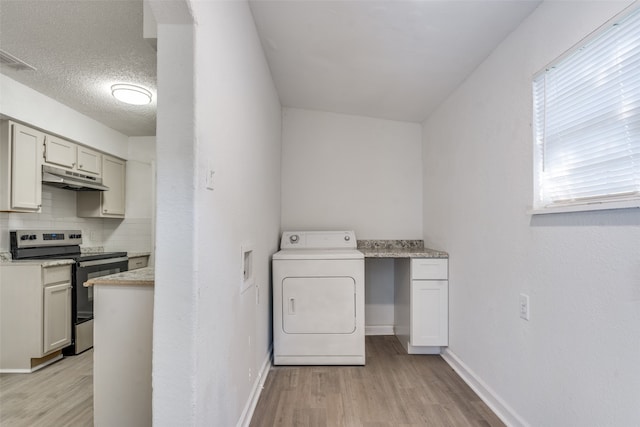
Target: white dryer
(318,299)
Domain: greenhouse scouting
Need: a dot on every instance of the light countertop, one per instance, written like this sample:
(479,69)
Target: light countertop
(404,253)
(139,277)
(398,249)
(40,262)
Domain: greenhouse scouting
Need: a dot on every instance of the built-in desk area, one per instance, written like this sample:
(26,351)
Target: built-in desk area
(421,292)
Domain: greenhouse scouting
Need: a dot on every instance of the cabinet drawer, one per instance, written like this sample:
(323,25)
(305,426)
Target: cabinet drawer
(138,262)
(429,268)
(57,274)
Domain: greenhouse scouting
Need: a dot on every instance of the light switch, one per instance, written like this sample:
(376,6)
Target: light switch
(210,175)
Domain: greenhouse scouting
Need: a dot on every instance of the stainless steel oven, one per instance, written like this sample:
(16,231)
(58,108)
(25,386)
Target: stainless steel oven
(82,297)
(65,244)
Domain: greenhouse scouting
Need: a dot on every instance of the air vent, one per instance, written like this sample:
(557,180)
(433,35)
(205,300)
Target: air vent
(8,60)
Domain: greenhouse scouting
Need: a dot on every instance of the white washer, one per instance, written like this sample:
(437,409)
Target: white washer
(318,299)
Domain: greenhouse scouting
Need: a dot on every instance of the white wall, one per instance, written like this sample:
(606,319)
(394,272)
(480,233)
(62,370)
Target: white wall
(58,213)
(575,363)
(37,110)
(349,172)
(211,340)
(136,232)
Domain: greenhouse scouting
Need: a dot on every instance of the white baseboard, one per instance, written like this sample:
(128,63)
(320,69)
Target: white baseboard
(258,386)
(488,396)
(31,370)
(378,330)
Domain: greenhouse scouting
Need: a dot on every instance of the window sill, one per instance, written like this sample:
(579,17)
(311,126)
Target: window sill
(585,207)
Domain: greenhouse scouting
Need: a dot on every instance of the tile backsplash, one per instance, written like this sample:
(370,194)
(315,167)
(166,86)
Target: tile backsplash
(59,212)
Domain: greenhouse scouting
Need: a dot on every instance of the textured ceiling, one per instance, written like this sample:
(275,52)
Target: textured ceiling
(81,48)
(386,59)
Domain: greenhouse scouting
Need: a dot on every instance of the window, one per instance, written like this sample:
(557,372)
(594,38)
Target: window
(586,124)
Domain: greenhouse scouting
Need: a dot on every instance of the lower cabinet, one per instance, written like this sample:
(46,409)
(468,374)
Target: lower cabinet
(35,315)
(429,313)
(422,304)
(57,319)
(140,261)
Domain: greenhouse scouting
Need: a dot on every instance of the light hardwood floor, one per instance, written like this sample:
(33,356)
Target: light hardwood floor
(60,394)
(393,389)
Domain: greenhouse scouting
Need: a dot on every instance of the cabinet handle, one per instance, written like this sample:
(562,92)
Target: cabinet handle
(79,166)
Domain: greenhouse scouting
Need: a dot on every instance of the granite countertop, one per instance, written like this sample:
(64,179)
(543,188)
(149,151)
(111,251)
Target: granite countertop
(41,262)
(85,250)
(139,277)
(398,249)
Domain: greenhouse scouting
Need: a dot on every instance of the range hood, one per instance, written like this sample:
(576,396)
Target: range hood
(69,180)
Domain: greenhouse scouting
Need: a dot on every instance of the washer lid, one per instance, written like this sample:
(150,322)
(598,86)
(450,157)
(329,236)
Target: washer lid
(319,254)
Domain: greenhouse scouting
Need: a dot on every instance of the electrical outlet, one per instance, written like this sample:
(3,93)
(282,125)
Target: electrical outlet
(524,306)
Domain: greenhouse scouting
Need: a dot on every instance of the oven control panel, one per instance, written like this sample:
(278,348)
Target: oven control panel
(35,238)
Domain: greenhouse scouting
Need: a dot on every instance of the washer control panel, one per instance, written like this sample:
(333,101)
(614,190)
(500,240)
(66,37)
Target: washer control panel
(318,240)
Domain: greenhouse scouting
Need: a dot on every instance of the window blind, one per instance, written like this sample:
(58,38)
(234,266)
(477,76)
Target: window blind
(587,121)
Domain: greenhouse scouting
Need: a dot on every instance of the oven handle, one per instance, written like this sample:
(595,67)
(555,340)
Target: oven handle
(102,261)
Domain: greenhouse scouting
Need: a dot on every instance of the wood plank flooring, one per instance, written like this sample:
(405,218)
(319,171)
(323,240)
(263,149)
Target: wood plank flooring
(393,389)
(60,394)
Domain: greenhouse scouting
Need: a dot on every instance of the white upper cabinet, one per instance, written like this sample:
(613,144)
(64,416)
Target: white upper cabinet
(66,154)
(89,161)
(113,201)
(110,203)
(20,168)
(60,152)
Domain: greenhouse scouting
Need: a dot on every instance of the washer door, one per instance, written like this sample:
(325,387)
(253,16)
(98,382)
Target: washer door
(318,305)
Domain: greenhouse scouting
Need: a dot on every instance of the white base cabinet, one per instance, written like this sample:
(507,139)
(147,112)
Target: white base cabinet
(35,314)
(123,340)
(138,261)
(422,304)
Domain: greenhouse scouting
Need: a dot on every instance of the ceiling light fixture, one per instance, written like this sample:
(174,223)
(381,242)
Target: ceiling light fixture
(131,94)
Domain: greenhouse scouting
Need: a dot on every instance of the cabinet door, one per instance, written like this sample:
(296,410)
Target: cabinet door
(26,170)
(89,161)
(113,176)
(57,316)
(429,313)
(60,152)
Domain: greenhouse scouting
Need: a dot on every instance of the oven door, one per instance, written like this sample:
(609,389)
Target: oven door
(85,270)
